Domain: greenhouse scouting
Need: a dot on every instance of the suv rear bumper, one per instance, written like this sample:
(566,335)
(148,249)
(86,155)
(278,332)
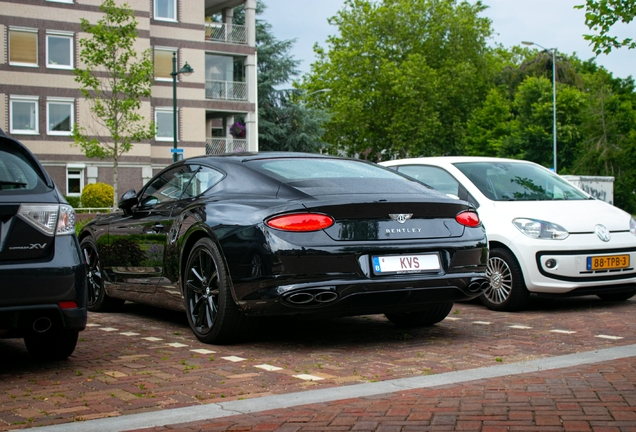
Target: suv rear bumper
(34,290)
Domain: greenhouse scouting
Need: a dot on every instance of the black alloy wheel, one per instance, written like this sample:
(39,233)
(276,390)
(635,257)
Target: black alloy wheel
(422,318)
(98,300)
(506,290)
(212,314)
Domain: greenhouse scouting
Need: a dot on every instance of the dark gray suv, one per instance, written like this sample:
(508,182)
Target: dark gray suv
(42,271)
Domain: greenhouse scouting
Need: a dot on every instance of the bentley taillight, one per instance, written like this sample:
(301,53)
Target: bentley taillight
(468,218)
(301,222)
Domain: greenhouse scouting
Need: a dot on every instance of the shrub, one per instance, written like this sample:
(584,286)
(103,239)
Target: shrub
(73,201)
(98,195)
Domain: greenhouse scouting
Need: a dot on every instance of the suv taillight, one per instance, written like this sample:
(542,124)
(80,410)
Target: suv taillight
(51,219)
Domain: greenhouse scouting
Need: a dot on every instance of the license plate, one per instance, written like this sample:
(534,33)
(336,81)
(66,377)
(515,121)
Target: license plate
(607,262)
(405,263)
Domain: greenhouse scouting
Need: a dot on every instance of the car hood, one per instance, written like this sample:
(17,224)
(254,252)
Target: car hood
(574,216)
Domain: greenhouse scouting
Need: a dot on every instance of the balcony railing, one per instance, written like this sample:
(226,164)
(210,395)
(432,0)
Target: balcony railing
(229,33)
(226,90)
(225,145)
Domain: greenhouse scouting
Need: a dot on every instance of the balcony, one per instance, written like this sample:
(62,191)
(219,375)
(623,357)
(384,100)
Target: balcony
(228,33)
(226,90)
(225,145)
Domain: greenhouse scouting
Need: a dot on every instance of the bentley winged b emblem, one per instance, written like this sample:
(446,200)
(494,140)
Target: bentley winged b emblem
(401,218)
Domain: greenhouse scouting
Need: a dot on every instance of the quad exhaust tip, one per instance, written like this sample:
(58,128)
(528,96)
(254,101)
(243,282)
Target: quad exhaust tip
(309,297)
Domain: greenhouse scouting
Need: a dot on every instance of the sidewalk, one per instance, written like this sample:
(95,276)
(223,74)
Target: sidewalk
(588,391)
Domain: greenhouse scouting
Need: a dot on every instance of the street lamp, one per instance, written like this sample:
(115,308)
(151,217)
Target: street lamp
(185,70)
(554,123)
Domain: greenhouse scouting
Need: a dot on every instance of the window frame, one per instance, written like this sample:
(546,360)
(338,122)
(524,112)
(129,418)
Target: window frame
(66,35)
(37,43)
(80,176)
(31,99)
(60,101)
(159,18)
(165,49)
(61,1)
(166,110)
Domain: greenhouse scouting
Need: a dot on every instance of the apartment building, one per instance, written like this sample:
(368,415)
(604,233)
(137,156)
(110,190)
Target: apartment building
(40,101)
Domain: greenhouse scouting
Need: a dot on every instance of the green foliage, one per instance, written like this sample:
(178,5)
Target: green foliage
(115,82)
(74,201)
(97,195)
(601,16)
(405,75)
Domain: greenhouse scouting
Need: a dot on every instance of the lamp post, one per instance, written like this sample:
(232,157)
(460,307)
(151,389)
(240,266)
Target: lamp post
(185,70)
(554,123)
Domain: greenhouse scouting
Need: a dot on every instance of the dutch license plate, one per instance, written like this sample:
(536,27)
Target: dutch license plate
(607,262)
(405,263)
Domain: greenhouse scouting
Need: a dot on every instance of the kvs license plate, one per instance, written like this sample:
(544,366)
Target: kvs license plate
(405,263)
(607,262)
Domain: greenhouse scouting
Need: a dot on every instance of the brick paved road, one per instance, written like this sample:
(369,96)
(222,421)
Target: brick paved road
(145,359)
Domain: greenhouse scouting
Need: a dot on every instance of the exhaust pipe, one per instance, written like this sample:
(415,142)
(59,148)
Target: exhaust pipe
(304,297)
(478,285)
(42,324)
(325,297)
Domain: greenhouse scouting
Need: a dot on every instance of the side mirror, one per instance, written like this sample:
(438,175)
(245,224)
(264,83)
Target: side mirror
(127,201)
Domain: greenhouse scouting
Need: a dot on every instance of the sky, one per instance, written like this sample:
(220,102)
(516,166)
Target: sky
(550,23)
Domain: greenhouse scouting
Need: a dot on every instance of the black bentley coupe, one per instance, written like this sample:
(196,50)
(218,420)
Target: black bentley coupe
(233,236)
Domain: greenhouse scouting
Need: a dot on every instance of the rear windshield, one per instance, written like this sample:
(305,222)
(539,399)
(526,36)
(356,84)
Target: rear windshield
(518,181)
(17,172)
(318,176)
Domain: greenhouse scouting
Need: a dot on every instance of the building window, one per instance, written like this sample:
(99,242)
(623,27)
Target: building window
(74,180)
(23,47)
(60,116)
(166,10)
(163,63)
(59,50)
(61,1)
(24,115)
(164,123)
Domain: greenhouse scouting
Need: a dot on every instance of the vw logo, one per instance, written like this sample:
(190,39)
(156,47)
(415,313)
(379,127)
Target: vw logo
(602,232)
(401,218)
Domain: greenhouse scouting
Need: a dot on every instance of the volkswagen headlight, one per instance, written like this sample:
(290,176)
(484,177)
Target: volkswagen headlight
(539,229)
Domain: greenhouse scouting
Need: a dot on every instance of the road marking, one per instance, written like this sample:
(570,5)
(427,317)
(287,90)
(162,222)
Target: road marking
(108,329)
(452,318)
(563,331)
(308,377)
(202,351)
(609,337)
(520,327)
(268,367)
(152,339)
(233,358)
(93,325)
(176,345)
(129,334)
(482,322)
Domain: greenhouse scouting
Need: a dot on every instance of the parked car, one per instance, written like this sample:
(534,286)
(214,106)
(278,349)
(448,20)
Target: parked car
(42,273)
(228,237)
(546,236)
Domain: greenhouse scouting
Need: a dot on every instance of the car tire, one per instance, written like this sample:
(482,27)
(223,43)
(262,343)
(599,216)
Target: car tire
(507,290)
(98,300)
(51,345)
(423,318)
(622,296)
(212,313)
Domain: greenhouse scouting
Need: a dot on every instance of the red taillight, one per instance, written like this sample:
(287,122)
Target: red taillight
(301,222)
(468,218)
(68,305)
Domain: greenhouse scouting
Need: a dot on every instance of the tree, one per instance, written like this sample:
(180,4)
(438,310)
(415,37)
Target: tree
(286,122)
(404,75)
(601,16)
(115,82)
